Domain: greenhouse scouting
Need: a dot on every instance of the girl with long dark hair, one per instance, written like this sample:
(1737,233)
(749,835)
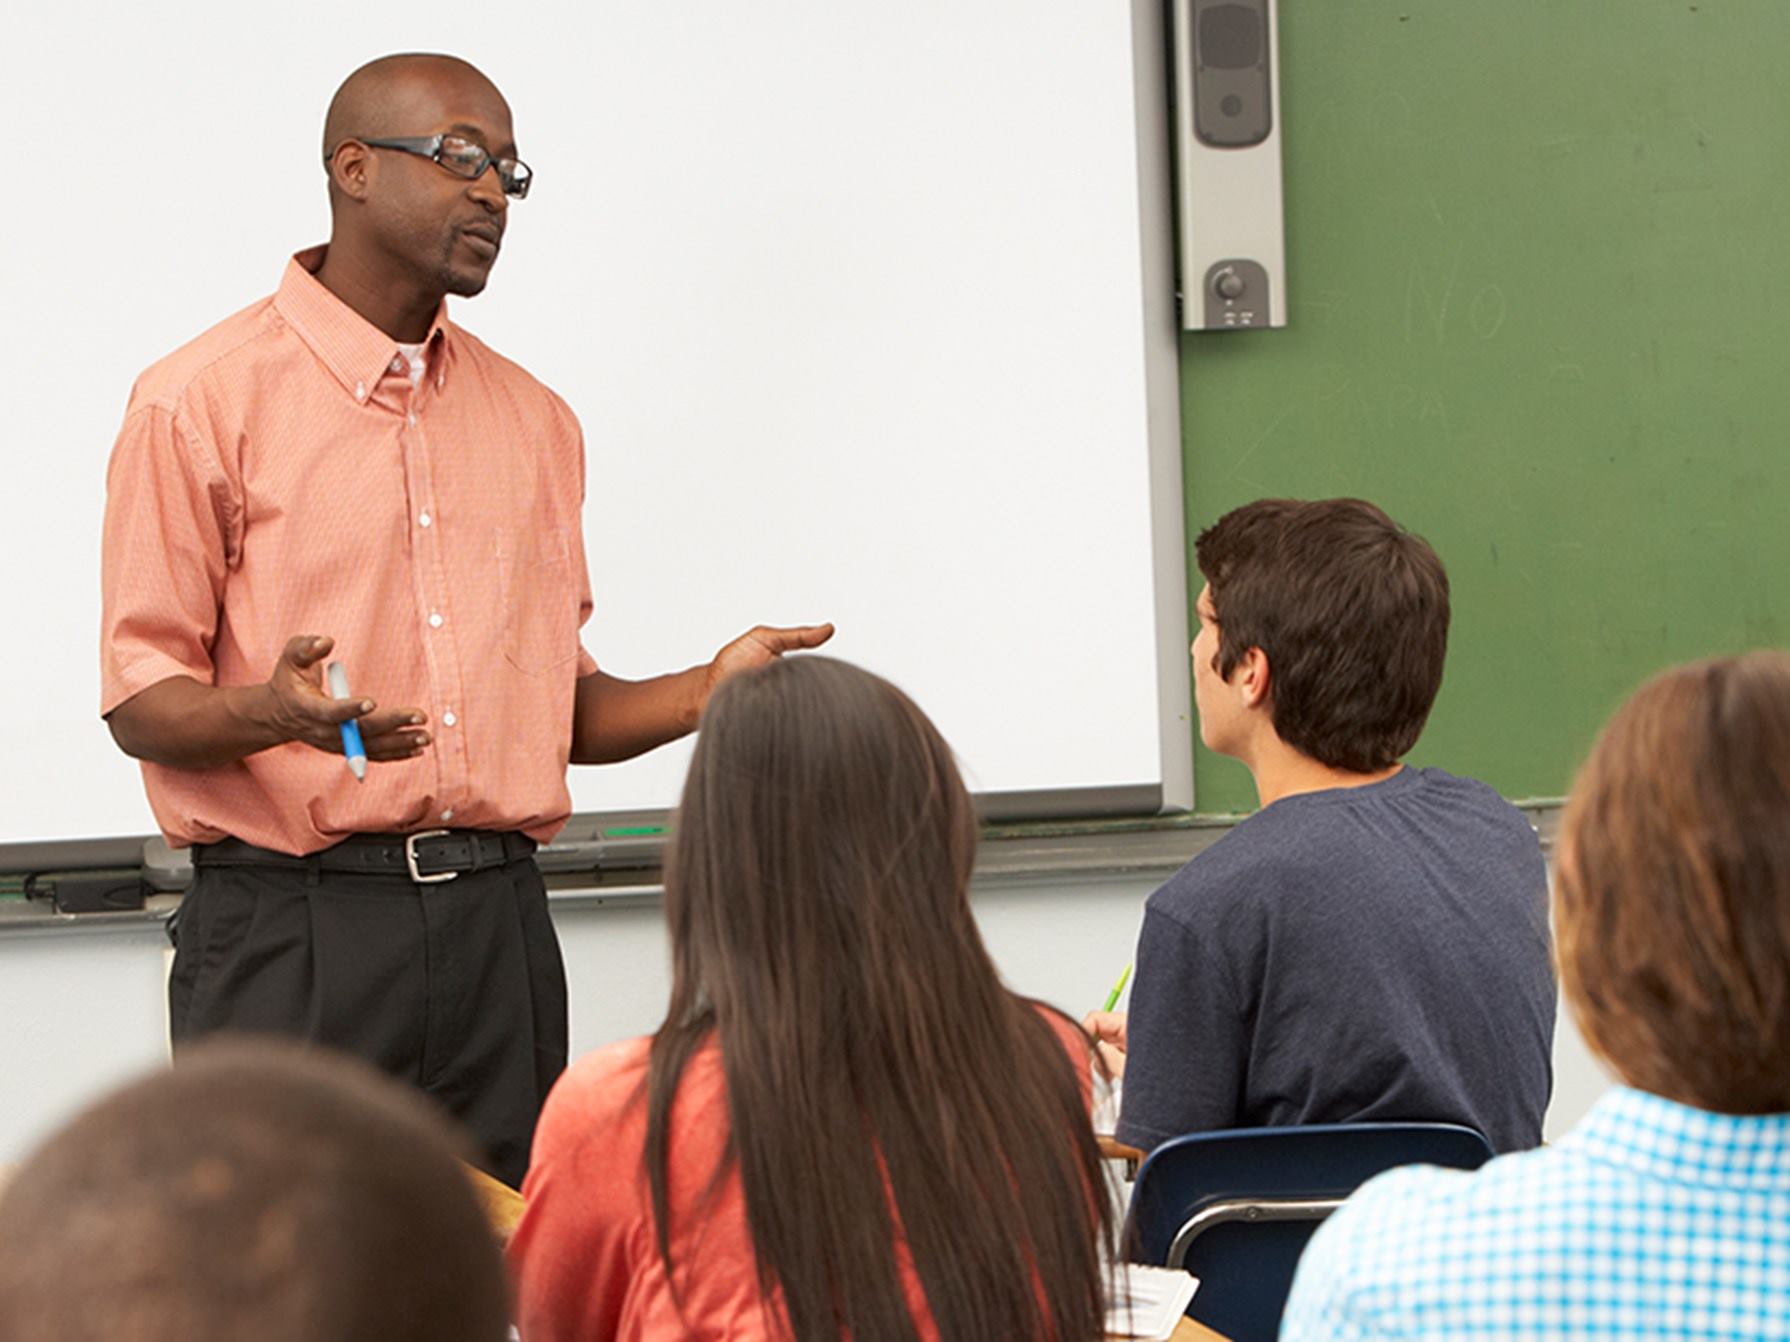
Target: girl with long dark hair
(846,1125)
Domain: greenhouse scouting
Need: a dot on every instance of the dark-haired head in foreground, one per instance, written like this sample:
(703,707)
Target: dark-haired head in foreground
(254,1191)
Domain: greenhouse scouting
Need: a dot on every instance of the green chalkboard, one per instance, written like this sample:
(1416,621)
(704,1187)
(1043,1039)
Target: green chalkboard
(1539,269)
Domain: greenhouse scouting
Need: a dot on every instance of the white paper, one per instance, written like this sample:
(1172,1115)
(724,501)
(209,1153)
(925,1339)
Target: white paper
(1147,1302)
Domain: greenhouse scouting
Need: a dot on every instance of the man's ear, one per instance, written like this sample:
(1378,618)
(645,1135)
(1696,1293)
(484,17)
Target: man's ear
(349,167)
(1252,678)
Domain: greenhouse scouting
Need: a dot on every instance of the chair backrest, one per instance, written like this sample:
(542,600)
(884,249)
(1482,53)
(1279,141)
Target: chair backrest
(1236,1208)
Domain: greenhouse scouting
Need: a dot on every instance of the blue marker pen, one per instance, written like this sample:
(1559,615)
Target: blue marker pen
(351,742)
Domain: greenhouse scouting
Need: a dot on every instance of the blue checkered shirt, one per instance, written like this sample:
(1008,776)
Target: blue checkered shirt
(1648,1220)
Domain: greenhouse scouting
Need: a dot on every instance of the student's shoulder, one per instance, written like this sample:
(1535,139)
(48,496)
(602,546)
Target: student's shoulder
(1439,785)
(1410,1195)
(598,1093)
(623,1061)
(1347,1284)
(1077,1047)
(1068,1031)
(606,1090)
(1257,856)
(221,351)
(1404,1232)
(1477,822)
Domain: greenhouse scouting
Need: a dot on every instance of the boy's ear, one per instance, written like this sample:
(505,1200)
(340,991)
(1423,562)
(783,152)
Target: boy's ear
(1253,678)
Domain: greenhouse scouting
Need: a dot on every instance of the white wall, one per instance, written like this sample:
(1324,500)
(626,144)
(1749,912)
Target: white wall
(83,1009)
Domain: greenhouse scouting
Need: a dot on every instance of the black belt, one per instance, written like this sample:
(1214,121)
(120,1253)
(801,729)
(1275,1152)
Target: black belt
(427,857)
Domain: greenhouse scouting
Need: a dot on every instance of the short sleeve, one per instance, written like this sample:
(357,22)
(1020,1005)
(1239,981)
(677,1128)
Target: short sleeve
(171,514)
(569,426)
(1187,1045)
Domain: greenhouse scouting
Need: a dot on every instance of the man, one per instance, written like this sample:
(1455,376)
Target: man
(252,1192)
(1373,943)
(340,470)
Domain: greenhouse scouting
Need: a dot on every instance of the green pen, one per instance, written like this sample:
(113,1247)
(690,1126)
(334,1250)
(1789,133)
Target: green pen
(633,831)
(1112,998)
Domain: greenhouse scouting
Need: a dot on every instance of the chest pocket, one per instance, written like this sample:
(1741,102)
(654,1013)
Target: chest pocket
(540,619)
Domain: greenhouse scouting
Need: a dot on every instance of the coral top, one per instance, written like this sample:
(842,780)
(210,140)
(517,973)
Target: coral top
(585,1259)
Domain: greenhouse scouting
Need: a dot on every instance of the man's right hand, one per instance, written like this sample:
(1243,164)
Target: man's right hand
(185,724)
(301,709)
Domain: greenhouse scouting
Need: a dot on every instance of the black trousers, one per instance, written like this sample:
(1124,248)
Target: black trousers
(457,988)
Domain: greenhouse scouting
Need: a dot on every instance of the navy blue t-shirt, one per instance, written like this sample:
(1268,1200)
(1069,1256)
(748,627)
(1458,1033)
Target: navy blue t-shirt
(1357,954)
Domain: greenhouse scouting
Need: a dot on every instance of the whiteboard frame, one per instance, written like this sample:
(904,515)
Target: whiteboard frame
(1152,58)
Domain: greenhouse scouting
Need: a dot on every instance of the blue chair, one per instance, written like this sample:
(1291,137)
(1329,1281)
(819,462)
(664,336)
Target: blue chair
(1236,1208)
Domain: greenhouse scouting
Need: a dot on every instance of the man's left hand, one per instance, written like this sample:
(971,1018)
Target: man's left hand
(763,644)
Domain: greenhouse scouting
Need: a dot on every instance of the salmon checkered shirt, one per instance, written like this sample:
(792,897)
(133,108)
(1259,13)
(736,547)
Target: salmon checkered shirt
(280,476)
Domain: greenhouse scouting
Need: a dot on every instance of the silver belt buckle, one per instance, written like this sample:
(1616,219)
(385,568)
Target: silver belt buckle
(410,843)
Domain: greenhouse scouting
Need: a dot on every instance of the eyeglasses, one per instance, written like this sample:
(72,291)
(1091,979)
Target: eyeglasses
(459,156)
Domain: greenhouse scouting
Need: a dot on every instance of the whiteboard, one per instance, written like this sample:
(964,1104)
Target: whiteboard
(865,309)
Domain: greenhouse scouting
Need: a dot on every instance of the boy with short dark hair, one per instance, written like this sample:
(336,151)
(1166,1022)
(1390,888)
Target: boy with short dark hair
(1372,944)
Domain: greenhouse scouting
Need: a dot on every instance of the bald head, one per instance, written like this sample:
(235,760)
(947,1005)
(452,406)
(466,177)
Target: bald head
(402,95)
(417,203)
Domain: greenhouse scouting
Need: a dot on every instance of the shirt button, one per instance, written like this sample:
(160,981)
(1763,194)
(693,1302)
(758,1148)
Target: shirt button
(448,719)
(360,391)
(448,814)
(435,620)
(425,520)
(410,419)
(397,365)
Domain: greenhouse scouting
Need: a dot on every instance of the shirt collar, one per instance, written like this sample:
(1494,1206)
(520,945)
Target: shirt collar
(357,352)
(1679,1144)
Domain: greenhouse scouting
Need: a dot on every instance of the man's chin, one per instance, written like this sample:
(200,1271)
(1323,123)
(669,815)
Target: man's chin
(467,283)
